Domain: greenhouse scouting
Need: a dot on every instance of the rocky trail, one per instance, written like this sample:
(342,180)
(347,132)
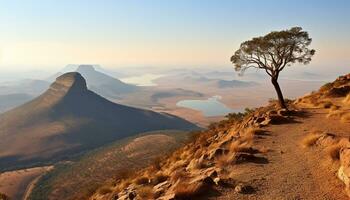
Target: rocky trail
(292,172)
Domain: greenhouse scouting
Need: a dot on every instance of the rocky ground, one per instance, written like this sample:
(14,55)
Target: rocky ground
(268,153)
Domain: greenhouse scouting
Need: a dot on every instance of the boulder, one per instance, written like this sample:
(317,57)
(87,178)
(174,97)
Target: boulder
(344,170)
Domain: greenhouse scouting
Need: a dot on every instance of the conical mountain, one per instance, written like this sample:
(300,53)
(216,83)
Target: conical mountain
(67,119)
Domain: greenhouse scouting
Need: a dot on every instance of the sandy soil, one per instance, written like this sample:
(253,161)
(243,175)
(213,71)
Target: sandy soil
(16,184)
(292,172)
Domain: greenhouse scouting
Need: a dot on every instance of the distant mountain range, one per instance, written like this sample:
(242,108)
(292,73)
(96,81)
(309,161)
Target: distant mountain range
(220,83)
(67,119)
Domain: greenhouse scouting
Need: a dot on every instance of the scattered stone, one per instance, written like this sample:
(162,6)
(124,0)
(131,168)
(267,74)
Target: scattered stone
(217,181)
(244,189)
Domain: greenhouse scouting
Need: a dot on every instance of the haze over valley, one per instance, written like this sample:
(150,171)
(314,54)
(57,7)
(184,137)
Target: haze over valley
(174,100)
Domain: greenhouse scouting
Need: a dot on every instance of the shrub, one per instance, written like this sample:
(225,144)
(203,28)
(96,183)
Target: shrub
(141,180)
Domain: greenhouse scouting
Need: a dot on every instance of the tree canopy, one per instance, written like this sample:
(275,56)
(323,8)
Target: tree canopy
(273,52)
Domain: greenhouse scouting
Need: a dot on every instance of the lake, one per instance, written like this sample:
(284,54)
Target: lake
(209,107)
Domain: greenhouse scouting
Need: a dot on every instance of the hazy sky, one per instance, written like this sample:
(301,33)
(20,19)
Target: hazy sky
(52,33)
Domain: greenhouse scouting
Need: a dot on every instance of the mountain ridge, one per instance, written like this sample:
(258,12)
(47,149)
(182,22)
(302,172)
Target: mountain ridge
(69,118)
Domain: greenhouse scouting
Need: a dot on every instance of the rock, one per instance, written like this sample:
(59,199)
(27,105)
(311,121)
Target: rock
(283,112)
(326,139)
(344,170)
(132,195)
(244,189)
(217,181)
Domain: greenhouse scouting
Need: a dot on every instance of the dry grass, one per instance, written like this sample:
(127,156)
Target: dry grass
(249,133)
(179,174)
(145,192)
(345,118)
(333,151)
(189,191)
(335,114)
(104,190)
(311,139)
(224,160)
(239,146)
(347,99)
(334,108)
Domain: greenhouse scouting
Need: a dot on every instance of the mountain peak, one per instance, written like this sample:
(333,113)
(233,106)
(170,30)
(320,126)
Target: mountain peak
(85,68)
(69,81)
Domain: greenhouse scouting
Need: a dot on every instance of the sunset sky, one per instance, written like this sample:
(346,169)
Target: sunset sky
(53,33)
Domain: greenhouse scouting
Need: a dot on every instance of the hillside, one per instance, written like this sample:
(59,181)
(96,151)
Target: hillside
(77,179)
(68,119)
(267,153)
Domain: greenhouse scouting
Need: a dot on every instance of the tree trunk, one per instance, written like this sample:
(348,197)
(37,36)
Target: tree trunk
(279,93)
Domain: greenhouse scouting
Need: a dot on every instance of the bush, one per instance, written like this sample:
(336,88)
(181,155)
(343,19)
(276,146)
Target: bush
(141,181)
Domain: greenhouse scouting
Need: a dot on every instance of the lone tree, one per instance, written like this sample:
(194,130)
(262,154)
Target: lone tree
(273,52)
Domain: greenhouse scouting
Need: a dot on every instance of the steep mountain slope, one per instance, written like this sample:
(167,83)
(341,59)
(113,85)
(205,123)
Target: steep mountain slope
(268,153)
(68,118)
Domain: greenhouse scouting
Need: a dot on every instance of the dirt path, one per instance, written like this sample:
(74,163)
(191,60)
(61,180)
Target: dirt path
(292,172)
(31,185)
(17,184)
